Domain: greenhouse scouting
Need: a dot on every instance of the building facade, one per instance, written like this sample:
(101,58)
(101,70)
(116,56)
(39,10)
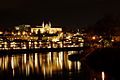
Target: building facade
(45,28)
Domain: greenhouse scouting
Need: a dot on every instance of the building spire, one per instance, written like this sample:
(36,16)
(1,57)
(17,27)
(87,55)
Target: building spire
(43,25)
(49,24)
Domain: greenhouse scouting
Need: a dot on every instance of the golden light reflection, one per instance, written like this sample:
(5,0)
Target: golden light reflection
(0,62)
(36,60)
(12,65)
(47,64)
(69,65)
(78,65)
(12,62)
(44,71)
(6,62)
(31,62)
(61,59)
(25,58)
(103,76)
(27,69)
(13,72)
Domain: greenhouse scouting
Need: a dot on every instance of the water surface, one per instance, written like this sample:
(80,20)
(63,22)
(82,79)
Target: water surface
(46,66)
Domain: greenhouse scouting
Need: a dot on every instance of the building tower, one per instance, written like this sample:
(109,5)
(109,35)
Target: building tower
(43,25)
(49,24)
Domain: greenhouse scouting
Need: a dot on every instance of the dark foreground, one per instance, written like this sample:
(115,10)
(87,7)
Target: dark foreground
(108,60)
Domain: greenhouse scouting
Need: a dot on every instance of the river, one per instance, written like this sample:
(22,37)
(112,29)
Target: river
(47,66)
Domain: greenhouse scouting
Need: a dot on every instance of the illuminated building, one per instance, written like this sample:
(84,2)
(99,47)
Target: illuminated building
(45,28)
(22,28)
(116,38)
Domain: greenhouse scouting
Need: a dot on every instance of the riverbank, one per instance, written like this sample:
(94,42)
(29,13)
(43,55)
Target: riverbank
(106,59)
(33,50)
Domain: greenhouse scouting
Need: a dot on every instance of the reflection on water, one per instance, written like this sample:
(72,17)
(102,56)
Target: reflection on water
(50,65)
(46,64)
(103,76)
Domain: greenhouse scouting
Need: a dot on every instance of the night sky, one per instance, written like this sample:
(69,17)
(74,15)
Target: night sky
(59,12)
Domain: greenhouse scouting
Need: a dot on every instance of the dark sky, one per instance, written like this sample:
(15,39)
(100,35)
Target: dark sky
(59,12)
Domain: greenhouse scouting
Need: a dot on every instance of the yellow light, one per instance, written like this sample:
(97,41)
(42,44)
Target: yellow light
(40,42)
(13,33)
(1,32)
(103,76)
(42,30)
(5,46)
(0,45)
(68,37)
(19,33)
(93,37)
(61,59)
(35,43)
(5,43)
(69,65)
(81,44)
(25,58)
(55,39)
(27,69)
(112,40)
(23,32)
(29,42)
(78,65)
(12,62)
(36,60)
(82,40)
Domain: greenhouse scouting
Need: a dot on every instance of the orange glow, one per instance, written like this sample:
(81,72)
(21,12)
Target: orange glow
(93,37)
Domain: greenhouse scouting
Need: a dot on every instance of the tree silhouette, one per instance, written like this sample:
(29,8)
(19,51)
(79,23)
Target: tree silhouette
(108,25)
